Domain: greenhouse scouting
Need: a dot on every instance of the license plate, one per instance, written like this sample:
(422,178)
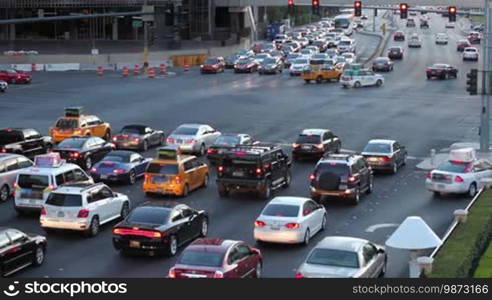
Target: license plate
(104,176)
(134,244)
(158,179)
(32,201)
(275,227)
(374,159)
(343,186)
(306,147)
(238,173)
(433,72)
(439,185)
(60,214)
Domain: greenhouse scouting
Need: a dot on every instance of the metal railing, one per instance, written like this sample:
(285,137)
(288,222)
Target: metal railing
(79,3)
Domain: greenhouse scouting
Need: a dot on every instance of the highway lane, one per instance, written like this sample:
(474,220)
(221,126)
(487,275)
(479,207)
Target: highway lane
(420,113)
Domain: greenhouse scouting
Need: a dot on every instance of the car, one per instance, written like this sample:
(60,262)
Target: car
(19,250)
(332,43)
(410,23)
(359,78)
(218,258)
(246,65)
(267,47)
(474,37)
(289,220)
(341,175)
(138,137)
(172,173)
(313,48)
(341,62)
(318,59)
(225,141)
(347,45)
(261,56)
(412,13)
(350,57)
(470,53)
(159,228)
(299,65)
(460,174)
(120,166)
(76,123)
(83,207)
(15,76)
(230,61)
(449,25)
(383,154)
(395,52)
(193,137)
(295,46)
(258,168)
(462,44)
(280,39)
(263,47)
(344,257)
(245,53)
(414,41)
(479,27)
(84,150)
(364,17)
(321,44)
(382,64)
(3,86)
(424,23)
(34,184)
(332,53)
(213,65)
(287,49)
(358,23)
(441,39)
(303,41)
(399,36)
(307,52)
(10,166)
(442,71)
(290,59)
(315,143)
(25,141)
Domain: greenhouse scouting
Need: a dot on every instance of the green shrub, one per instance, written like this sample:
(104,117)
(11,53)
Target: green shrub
(484,269)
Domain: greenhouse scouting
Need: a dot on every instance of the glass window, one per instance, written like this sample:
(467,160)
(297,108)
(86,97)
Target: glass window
(281,210)
(187,212)
(33,181)
(65,200)
(308,139)
(243,251)
(201,258)
(369,251)
(185,131)
(2,168)
(12,164)
(60,179)
(377,148)
(163,168)
(15,235)
(455,167)
(105,193)
(149,215)
(332,257)
(188,165)
(333,167)
(116,158)
(4,240)
(31,134)
(396,146)
(176,215)
(135,158)
(24,162)
(72,143)
(67,123)
(79,175)
(233,256)
(10,137)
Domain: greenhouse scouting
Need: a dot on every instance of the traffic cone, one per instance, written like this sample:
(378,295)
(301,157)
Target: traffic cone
(163,69)
(136,70)
(125,71)
(100,71)
(186,68)
(151,73)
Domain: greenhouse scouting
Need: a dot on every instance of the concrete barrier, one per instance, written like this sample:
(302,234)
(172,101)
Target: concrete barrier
(62,67)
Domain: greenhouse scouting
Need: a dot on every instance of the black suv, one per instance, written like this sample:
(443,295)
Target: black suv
(25,141)
(315,143)
(257,168)
(341,175)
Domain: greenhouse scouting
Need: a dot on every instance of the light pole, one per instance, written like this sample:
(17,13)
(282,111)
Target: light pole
(486,81)
(146,41)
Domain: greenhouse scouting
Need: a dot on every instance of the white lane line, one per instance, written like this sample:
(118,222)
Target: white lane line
(375,227)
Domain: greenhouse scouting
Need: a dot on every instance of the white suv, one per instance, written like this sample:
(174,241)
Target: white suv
(359,78)
(470,53)
(83,207)
(442,38)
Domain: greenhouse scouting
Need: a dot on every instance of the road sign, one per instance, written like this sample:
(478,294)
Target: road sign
(148,9)
(137,23)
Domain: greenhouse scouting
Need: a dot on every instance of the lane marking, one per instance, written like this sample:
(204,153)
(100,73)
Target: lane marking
(375,227)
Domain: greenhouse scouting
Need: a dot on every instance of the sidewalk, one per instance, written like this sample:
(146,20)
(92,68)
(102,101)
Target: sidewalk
(443,155)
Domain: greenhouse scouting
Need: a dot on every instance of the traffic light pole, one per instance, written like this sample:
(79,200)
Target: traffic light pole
(486,82)
(146,43)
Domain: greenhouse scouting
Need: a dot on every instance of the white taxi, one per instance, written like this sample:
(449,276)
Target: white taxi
(441,38)
(360,78)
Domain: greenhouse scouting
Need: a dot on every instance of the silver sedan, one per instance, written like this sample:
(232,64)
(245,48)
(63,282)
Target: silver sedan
(344,257)
(193,138)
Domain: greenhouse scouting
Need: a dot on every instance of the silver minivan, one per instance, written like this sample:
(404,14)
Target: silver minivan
(10,165)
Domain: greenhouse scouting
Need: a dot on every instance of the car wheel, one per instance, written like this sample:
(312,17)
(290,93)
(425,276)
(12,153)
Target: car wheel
(307,237)
(145,146)
(93,229)
(39,256)
(323,223)
(472,190)
(379,83)
(257,273)
(267,190)
(428,77)
(394,168)
(4,193)
(185,191)
(357,84)
(370,187)
(132,177)
(436,194)
(202,150)
(404,162)
(173,246)
(373,69)
(223,191)
(125,210)
(305,80)
(356,197)
(383,269)
(319,79)
(162,140)
(287,179)
(107,136)
(205,181)
(88,163)
(204,228)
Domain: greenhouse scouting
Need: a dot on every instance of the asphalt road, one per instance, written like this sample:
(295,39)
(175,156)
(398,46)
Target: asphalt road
(422,114)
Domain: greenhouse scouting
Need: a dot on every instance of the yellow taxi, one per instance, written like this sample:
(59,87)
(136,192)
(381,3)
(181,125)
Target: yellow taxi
(320,73)
(173,173)
(76,123)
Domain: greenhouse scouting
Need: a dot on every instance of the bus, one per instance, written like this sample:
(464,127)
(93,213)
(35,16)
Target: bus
(343,21)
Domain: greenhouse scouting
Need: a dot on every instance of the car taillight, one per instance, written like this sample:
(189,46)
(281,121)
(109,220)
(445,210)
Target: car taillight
(458,179)
(220,168)
(211,150)
(119,171)
(258,171)
(259,223)
(170,140)
(137,231)
(218,274)
(83,213)
(319,146)
(385,158)
(292,225)
(295,145)
(93,169)
(429,175)
(115,139)
(43,211)
(352,179)
(299,275)
(3,150)
(171,273)
(177,179)
(75,154)
(146,176)
(312,177)
(136,139)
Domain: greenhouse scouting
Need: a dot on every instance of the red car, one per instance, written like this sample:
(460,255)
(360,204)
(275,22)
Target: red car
(474,37)
(218,258)
(14,76)
(246,64)
(442,71)
(213,65)
(399,36)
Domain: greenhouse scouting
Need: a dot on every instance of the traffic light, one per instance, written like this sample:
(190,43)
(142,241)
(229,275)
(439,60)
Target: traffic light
(315,7)
(452,13)
(472,82)
(291,6)
(357,8)
(403,10)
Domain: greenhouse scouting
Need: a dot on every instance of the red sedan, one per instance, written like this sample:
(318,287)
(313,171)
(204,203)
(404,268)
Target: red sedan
(218,258)
(14,76)
(246,64)
(213,65)
(399,36)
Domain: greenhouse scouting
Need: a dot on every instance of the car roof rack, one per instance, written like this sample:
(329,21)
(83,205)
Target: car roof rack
(255,149)
(82,185)
(339,156)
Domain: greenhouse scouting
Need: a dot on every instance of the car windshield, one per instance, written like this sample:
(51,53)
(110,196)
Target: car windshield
(471,50)
(185,131)
(201,258)
(344,43)
(149,215)
(66,200)
(162,168)
(211,61)
(395,49)
(377,148)
(9,137)
(348,55)
(67,123)
(438,66)
(455,167)
(268,61)
(332,257)
(28,181)
(333,167)
(262,56)
(281,210)
(331,52)
(132,130)
(72,143)
(117,158)
(308,139)
(301,61)
(243,52)
(293,55)
(243,61)
(227,140)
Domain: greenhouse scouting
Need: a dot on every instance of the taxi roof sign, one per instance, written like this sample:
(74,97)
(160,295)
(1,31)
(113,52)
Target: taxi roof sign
(169,152)
(462,155)
(75,111)
(51,160)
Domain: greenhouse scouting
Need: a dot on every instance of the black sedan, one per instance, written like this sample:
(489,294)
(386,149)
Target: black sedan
(159,228)
(225,141)
(271,65)
(382,154)
(382,64)
(442,71)
(138,137)
(395,53)
(19,250)
(120,166)
(83,150)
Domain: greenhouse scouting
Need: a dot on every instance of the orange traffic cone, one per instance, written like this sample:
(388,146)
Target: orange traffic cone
(100,71)
(186,68)
(125,71)
(163,69)
(151,73)
(136,70)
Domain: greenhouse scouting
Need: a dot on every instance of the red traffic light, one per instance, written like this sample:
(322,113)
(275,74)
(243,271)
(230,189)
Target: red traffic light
(452,9)
(315,2)
(403,6)
(291,2)
(357,4)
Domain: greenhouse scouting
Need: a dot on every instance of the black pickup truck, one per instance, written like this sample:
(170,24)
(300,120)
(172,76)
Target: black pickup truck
(25,141)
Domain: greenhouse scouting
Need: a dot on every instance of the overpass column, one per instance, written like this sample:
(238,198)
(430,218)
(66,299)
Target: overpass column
(115,29)
(11,32)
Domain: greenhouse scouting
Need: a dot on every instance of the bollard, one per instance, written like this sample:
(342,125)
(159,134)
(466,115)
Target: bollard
(151,72)
(460,215)
(125,71)
(100,71)
(425,264)
(136,70)
(433,157)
